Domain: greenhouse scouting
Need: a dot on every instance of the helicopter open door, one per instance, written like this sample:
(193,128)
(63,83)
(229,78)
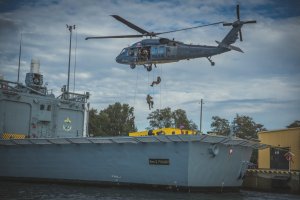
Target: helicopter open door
(144,53)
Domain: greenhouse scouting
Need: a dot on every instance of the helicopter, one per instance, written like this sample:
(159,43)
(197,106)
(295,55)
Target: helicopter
(148,52)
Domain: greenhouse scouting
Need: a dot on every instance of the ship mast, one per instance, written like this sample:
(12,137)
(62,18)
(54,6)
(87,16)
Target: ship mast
(72,27)
(201,103)
(19,66)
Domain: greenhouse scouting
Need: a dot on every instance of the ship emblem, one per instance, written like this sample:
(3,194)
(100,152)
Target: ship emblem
(67,124)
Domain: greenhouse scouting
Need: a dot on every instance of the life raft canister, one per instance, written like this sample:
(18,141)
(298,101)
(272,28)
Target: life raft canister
(213,150)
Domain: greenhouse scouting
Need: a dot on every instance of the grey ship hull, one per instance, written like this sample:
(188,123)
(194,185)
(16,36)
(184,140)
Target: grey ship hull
(177,161)
(55,147)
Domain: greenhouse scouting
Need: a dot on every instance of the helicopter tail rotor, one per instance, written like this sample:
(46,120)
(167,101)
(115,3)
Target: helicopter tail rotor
(238,22)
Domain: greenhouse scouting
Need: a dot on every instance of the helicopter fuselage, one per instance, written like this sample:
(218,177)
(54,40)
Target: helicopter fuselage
(154,51)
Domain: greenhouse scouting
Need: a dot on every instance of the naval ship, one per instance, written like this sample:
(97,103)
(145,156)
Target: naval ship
(45,138)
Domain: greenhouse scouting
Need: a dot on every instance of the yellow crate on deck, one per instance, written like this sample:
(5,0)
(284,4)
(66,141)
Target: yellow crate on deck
(164,131)
(12,136)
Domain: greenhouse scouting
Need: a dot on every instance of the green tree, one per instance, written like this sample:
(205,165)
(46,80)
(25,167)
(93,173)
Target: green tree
(220,126)
(180,119)
(165,118)
(93,125)
(115,120)
(294,124)
(193,125)
(160,118)
(244,127)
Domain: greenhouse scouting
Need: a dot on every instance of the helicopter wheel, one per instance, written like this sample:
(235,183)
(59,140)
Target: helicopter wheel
(210,60)
(148,67)
(132,66)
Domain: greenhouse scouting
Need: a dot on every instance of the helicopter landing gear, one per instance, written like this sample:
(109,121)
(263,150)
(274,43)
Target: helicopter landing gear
(210,60)
(148,67)
(132,66)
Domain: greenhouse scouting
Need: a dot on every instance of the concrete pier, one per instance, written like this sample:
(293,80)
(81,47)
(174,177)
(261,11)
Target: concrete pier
(272,180)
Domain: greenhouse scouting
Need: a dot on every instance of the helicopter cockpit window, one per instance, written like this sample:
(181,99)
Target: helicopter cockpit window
(135,52)
(131,52)
(123,51)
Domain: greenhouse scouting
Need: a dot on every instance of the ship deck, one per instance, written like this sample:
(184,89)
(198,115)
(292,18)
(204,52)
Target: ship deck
(142,139)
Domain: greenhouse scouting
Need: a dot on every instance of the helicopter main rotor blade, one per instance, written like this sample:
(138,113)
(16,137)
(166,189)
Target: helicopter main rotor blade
(130,25)
(189,28)
(114,36)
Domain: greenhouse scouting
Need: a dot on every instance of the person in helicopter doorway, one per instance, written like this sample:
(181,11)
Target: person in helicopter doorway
(145,54)
(150,101)
(156,82)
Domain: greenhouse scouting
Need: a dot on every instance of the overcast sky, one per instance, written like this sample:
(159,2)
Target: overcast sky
(263,82)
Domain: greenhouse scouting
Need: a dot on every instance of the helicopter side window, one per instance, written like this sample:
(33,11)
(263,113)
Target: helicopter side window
(154,51)
(161,51)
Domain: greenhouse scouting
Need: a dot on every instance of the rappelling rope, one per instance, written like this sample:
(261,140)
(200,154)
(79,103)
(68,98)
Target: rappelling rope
(136,83)
(160,88)
(148,83)
(153,78)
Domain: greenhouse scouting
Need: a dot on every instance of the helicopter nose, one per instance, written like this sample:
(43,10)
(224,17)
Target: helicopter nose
(118,59)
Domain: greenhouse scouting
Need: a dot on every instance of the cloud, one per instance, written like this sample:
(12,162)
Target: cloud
(263,82)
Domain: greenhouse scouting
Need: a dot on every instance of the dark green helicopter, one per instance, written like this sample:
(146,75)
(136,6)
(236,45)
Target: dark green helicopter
(162,50)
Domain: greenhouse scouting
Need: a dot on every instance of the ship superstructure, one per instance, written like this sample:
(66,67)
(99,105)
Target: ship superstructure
(30,111)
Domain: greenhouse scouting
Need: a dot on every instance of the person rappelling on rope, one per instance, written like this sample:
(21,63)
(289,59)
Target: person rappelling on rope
(150,101)
(156,82)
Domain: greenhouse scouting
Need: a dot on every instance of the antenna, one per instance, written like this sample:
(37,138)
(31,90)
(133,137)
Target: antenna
(75,63)
(201,103)
(19,66)
(72,27)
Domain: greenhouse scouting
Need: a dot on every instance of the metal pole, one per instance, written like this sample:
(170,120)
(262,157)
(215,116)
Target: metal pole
(201,102)
(19,66)
(70,29)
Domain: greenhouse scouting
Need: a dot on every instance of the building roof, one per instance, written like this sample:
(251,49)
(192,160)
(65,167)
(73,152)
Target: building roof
(280,130)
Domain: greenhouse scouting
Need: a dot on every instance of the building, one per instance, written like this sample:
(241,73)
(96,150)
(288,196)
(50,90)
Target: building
(281,142)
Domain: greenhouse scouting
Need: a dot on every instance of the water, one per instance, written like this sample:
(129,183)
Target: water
(16,190)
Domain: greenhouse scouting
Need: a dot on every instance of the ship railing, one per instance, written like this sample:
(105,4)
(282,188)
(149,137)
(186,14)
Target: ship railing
(134,140)
(11,87)
(71,96)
